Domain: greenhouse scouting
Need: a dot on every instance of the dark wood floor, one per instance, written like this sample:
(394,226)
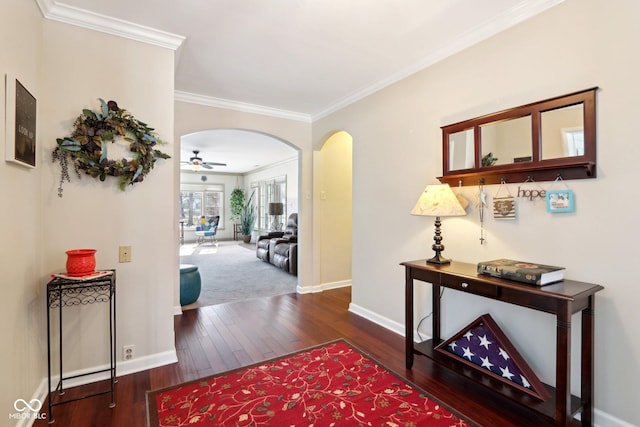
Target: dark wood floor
(214,339)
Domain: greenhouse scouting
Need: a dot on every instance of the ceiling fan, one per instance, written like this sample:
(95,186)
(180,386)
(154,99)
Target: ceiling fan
(197,163)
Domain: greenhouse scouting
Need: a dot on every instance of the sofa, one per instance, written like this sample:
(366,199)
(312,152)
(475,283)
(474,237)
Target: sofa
(280,248)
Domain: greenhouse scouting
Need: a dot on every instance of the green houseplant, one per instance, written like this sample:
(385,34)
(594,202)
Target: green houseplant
(247,219)
(237,203)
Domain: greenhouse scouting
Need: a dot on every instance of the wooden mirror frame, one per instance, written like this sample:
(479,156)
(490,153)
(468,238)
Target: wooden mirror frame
(538,169)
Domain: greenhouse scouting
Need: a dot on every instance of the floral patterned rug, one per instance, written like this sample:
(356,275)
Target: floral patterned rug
(330,385)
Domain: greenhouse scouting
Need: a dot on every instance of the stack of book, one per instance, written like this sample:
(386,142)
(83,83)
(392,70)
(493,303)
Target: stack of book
(526,272)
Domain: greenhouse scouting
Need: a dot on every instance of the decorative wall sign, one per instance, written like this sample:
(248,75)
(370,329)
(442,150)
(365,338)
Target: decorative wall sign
(504,207)
(529,192)
(560,201)
(20,107)
(483,346)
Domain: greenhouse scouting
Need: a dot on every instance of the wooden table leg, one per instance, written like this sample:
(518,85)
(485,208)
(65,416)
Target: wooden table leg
(563,365)
(408,321)
(586,380)
(435,289)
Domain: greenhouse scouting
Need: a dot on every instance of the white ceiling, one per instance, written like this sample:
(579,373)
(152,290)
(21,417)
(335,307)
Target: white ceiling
(242,151)
(300,59)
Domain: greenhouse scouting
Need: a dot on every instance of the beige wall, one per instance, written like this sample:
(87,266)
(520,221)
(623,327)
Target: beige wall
(81,66)
(23,359)
(397,151)
(68,68)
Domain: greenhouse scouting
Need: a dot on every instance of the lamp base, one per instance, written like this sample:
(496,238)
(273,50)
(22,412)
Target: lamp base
(438,259)
(438,247)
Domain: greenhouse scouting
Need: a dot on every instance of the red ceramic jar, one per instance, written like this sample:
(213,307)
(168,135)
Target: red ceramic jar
(81,262)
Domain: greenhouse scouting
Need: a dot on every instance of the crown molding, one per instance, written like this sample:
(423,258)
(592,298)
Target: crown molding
(55,11)
(524,10)
(513,16)
(240,106)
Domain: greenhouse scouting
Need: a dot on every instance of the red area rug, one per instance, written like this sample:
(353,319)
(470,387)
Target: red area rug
(330,385)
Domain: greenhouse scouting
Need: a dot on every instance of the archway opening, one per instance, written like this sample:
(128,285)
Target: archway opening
(261,165)
(335,210)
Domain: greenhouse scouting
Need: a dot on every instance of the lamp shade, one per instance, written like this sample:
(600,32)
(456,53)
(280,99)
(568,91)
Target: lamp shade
(275,208)
(438,200)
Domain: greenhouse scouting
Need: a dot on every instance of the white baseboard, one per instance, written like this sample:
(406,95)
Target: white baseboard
(122,368)
(385,322)
(140,364)
(127,367)
(322,287)
(601,418)
(336,285)
(30,416)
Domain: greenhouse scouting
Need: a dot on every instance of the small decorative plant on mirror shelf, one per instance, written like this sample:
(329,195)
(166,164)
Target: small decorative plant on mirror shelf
(489,160)
(87,147)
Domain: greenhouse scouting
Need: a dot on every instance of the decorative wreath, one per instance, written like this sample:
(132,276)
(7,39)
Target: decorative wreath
(87,146)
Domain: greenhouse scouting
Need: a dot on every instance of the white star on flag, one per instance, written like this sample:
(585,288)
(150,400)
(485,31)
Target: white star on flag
(486,363)
(506,373)
(479,344)
(504,354)
(467,353)
(485,342)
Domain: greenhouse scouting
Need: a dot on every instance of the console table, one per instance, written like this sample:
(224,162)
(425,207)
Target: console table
(67,292)
(561,299)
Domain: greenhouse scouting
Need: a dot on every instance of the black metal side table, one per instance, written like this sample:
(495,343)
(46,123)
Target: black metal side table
(67,292)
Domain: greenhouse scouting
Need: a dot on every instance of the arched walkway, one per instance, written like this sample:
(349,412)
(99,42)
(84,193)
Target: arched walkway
(333,210)
(254,161)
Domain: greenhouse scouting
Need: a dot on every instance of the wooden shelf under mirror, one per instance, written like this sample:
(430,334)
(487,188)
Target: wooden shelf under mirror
(539,141)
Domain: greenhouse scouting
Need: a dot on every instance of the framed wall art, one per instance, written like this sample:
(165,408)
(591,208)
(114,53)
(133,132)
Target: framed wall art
(560,201)
(20,120)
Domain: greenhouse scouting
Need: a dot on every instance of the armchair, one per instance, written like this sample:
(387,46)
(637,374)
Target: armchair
(208,229)
(280,247)
(262,244)
(285,256)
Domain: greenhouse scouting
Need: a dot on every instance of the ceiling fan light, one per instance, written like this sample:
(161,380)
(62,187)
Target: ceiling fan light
(196,167)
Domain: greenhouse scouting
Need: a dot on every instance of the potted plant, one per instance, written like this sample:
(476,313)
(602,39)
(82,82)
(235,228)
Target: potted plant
(247,220)
(237,203)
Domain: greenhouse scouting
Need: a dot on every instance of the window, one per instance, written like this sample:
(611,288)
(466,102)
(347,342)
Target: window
(197,201)
(269,191)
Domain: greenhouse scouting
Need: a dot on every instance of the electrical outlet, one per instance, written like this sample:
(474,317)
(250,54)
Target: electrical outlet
(128,351)
(124,254)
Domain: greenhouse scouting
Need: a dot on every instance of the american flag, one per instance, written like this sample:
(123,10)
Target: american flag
(478,345)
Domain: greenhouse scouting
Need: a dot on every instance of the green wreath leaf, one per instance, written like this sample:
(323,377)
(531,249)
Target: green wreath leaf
(87,146)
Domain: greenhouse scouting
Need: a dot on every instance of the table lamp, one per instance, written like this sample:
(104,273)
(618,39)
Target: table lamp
(276,209)
(438,200)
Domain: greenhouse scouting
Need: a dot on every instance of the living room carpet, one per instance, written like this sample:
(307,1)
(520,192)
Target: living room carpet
(333,384)
(230,271)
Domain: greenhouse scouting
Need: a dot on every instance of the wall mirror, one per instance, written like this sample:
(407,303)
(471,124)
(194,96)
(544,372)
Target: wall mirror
(541,141)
